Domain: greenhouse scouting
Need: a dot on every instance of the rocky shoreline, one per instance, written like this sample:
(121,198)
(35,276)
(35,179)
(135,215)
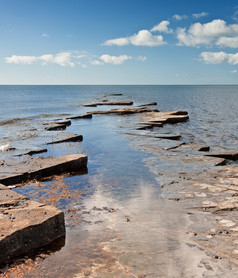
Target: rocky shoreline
(202,183)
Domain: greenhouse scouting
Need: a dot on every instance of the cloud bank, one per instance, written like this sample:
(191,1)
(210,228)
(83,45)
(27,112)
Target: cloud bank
(70,59)
(216,32)
(62,59)
(219,58)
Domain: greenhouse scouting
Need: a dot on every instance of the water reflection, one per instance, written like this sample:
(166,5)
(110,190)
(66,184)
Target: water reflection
(142,236)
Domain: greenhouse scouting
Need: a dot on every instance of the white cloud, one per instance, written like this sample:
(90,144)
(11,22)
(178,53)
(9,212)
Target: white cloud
(200,15)
(214,57)
(45,35)
(179,17)
(219,57)
(162,27)
(62,59)
(233,71)
(233,59)
(115,60)
(141,58)
(231,42)
(142,38)
(206,34)
(27,60)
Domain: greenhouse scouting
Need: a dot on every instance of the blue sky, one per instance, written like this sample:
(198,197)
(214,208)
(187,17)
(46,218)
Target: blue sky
(118,42)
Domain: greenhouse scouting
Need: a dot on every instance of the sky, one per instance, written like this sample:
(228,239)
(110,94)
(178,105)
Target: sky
(118,42)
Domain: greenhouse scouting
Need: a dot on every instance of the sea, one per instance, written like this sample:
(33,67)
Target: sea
(116,225)
(212,109)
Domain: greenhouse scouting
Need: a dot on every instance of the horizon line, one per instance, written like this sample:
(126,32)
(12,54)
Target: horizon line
(208,84)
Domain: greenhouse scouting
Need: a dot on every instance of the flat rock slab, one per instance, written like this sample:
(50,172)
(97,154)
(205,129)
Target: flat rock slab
(26,225)
(148,104)
(168,136)
(84,116)
(195,147)
(113,95)
(57,125)
(65,137)
(124,111)
(14,171)
(171,117)
(34,150)
(144,126)
(159,136)
(231,156)
(30,150)
(125,102)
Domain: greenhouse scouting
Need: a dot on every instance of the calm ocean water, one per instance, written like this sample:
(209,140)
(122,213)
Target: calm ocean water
(212,109)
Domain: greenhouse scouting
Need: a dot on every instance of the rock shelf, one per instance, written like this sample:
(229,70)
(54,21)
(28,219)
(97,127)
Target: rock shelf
(15,171)
(124,111)
(148,104)
(66,137)
(230,156)
(170,117)
(186,176)
(83,116)
(26,225)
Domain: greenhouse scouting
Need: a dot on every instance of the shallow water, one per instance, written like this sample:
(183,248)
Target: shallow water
(118,225)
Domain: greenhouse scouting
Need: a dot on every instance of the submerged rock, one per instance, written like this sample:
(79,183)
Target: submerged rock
(125,102)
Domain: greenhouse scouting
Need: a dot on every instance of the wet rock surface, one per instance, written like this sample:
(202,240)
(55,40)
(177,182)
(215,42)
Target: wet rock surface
(231,156)
(15,171)
(205,190)
(65,137)
(148,104)
(124,111)
(83,116)
(26,225)
(170,117)
(191,230)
